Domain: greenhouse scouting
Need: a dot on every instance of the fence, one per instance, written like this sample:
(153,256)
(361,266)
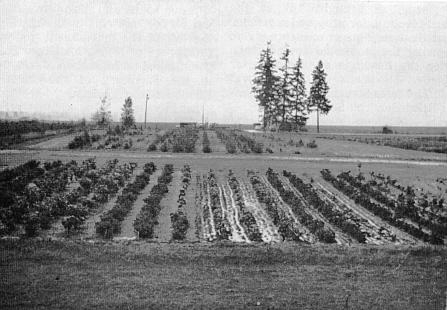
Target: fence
(14,158)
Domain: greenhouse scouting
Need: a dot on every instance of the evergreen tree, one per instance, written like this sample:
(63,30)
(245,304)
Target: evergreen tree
(299,103)
(266,87)
(318,91)
(127,115)
(103,116)
(287,94)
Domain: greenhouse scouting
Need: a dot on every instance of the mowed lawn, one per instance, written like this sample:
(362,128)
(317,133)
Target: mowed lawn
(78,275)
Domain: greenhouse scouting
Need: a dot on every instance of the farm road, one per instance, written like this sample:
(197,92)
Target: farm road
(44,155)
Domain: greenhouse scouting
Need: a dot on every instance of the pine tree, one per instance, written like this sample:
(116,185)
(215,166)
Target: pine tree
(127,115)
(318,91)
(286,87)
(299,102)
(266,87)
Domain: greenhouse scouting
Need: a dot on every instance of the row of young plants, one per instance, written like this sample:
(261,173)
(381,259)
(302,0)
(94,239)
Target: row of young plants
(210,218)
(234,141)
(147,219)
(379,210)
(246,219)
(206,143)
(332,214)
(182,140)
(286,227)
(402,207)
(179,219)
(110,223)
(314,225)
(430,208)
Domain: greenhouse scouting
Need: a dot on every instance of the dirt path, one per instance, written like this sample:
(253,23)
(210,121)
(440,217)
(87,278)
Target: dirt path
(127,230)
(163,231)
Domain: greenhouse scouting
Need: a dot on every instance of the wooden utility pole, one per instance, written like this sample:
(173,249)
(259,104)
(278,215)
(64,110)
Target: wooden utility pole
(145,111)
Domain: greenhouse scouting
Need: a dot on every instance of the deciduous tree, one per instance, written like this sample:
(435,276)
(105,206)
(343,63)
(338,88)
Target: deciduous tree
(103,116)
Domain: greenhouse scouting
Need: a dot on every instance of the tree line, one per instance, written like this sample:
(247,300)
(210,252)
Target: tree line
(9,128)
(281,96)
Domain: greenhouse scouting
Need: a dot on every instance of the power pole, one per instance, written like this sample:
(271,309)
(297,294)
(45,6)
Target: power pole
(145,111)
(203,113)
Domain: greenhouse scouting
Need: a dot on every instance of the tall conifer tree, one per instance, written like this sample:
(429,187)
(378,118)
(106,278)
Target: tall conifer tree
(299,102)
(318,91)
(286,87)
(266,87)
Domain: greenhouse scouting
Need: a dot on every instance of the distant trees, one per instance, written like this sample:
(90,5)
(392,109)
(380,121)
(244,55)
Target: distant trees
(318,91)
(282,99)
(103,116)
(127,115)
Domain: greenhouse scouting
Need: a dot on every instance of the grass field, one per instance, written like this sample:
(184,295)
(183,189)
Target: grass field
(67,275)
(84,271)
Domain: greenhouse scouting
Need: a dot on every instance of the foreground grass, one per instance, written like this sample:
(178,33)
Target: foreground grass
(70,275)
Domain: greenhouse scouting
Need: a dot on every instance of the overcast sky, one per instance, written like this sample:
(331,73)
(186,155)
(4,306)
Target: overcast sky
(386,62)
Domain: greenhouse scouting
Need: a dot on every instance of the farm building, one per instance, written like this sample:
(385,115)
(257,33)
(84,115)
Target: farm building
(257,126)
(185,125)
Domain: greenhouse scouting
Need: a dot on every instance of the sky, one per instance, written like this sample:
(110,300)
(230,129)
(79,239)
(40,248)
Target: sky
(386,62)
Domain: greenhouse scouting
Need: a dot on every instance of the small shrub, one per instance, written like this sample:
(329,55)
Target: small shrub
(164,148)
(152,147)
(312,145)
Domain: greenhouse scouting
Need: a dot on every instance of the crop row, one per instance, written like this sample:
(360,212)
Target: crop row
(182,140)
(403,207)
(280,218)
(179,219)
(329,211)
(147,219)
(46,199)
(379,210)
(234,141)
(314,225)
(110,223)
(206,143)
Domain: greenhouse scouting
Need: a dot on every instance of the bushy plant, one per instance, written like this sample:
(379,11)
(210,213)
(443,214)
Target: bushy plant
(152,147)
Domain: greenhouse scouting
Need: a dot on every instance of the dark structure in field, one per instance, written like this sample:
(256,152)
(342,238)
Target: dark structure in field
(188,125)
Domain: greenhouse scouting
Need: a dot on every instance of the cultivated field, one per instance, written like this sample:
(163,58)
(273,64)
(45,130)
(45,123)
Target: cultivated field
(224,219)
